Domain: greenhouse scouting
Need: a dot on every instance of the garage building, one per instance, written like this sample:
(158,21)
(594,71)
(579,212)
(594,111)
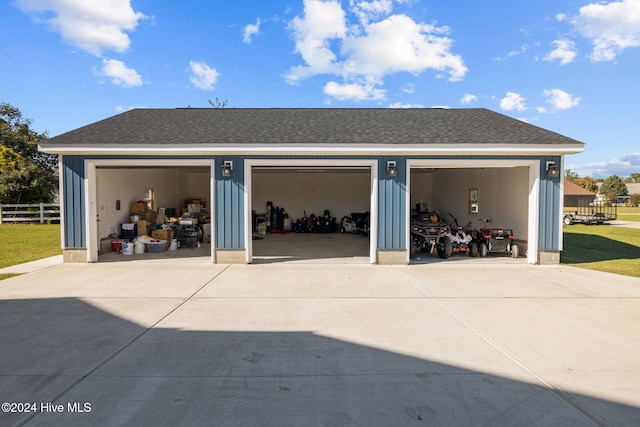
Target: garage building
(473,163)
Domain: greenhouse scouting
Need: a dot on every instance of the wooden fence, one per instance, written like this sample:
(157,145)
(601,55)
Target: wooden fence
(39,212)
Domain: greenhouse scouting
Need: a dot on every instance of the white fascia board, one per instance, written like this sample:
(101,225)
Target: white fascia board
(468,163)
(310,149)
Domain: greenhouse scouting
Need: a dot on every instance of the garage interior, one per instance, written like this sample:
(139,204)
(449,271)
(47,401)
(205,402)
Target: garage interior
(306,191)
(502,197)
(118,187)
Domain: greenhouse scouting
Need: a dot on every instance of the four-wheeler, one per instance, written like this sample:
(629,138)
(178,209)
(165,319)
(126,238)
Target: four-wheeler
(463,238)
(427,235)
(430,232)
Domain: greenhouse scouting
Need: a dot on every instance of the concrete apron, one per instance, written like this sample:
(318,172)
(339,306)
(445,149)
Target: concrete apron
(302,344)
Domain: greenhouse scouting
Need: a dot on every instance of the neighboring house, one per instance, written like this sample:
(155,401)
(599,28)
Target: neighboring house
(632,188)
(575,196)
(385,161)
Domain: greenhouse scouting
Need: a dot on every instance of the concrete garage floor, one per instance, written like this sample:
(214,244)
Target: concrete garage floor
(190,343)
(321,248)
(307,248)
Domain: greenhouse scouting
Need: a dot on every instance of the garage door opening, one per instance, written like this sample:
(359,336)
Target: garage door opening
(311,212)
(138,204)
(502,196)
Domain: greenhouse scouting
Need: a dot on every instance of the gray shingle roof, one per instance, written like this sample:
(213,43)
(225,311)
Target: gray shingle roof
(310,126)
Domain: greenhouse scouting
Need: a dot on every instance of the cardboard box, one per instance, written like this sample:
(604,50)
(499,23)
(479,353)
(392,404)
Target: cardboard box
(151,216)
(143,227)
(163,235)
(138,208)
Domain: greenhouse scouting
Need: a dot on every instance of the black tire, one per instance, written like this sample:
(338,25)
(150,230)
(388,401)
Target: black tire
(515,251)
(473,249)
(483,250)
(445,248)
(567,220)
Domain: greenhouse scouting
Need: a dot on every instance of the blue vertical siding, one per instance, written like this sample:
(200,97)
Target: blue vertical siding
(74,202)
(550,221)
(392,215)
(230,204)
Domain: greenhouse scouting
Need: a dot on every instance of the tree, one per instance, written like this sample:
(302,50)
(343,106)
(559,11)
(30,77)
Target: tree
(590,184)
(571,175)
(613,187)
(26,175)
(635,177)
(27,182)
(16,133)
(218,103)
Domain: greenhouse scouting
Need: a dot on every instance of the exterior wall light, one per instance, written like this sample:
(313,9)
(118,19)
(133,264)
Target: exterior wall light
(392,169)
(553,170)
(227,167)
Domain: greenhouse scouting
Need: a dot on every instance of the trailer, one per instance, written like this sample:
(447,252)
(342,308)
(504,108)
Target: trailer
(593,212)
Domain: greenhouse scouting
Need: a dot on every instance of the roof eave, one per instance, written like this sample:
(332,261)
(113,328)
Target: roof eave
(308,149)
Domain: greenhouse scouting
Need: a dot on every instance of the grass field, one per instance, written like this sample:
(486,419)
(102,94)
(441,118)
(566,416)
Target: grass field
(28,242)
(602,247)
(629,214)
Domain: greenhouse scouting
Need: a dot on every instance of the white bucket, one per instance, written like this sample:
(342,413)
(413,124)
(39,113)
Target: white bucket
(138,247)
(174,245)
(127,248)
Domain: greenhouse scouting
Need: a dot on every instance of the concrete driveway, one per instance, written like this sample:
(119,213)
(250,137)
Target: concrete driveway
(282,344)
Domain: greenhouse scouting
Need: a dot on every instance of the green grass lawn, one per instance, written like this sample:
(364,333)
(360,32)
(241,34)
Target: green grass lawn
(602,247)
(628,214)
(28,242)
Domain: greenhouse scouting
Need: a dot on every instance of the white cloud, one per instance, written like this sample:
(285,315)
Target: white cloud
(119,73)
(354,91)
(560,100)
(409,88)
(624,166)
(367,51)
(250,31)
(612,27)
(513,101)
(468,99)
(121,108)
(565,52)
(322,22)
(202,75)
(523,49)
(561,17)
(367,10)
(403,105)
(93,26)
(398,44)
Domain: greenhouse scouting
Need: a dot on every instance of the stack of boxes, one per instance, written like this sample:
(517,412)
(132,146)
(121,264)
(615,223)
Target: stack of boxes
(145,222)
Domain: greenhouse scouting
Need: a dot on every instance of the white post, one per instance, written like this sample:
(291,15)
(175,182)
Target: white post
(41,213)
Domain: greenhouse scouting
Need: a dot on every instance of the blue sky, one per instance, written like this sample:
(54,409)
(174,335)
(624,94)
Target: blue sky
(565,65)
